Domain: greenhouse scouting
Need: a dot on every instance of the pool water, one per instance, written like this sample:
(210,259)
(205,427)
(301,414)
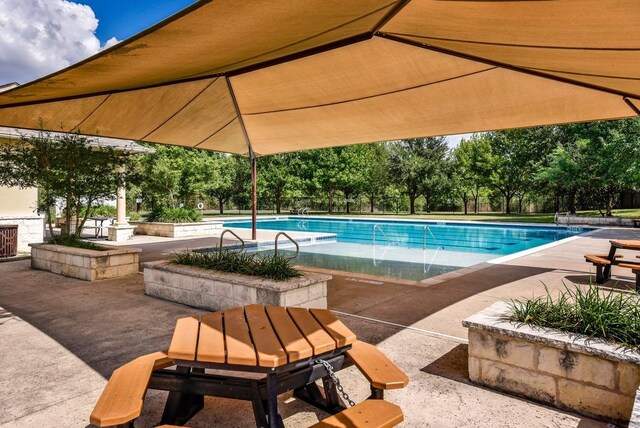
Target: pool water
(409,249)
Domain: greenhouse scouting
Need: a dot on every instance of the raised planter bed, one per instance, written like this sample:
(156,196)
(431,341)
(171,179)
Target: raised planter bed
(595,221)
(89,265)
(213,290)
(176,230)
(589,377)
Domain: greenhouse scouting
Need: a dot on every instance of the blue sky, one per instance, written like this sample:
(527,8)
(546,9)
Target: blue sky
(124,18)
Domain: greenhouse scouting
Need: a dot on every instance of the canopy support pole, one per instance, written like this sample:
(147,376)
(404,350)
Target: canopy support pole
(252,159)
(254,196)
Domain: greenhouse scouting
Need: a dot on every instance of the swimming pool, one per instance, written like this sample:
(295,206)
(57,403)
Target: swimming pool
(409,249)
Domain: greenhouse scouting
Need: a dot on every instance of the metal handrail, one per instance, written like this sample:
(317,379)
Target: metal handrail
(234,234)
(377,226)
(275,247)
(424,238)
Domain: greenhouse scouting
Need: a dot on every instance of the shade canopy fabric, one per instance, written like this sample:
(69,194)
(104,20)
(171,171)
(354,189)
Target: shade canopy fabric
(275,76)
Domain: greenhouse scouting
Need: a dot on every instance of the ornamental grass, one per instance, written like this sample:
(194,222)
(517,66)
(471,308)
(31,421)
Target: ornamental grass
(274,266)
(592,312)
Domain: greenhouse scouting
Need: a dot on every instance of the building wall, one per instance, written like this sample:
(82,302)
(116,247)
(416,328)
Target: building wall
(17,206)
(18,202)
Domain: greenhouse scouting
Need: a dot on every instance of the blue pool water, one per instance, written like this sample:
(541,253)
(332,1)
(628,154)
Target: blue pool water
(412,250)
(459,237)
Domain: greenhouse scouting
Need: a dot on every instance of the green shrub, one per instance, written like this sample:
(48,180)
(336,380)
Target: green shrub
(134,216)
(274,267)
(174,215)
(614,317)
(75,241)
(102,211)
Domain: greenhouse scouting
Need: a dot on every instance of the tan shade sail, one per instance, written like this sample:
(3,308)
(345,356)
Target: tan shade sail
(286,75)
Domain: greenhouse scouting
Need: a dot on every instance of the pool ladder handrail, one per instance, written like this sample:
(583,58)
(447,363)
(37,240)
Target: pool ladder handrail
(275,246)
(424,238)
(234,234)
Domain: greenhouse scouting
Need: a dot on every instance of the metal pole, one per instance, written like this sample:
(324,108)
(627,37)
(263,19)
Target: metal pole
(254,196)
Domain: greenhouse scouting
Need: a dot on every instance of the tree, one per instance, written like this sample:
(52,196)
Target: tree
(222,188)
(162,172)
(435,181)
(407,165)
(471,168)
(376,173)
(603,162)
(240,172)
(276,177)
(65,166)
(516,155)
(351,177)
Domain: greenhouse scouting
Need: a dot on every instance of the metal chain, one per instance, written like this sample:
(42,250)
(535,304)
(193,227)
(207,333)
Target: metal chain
(336,381)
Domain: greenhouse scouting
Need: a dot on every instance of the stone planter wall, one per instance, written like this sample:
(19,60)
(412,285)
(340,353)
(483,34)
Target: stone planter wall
(89,265)
(176,230)
(213,290)
(592,378)
(595,221)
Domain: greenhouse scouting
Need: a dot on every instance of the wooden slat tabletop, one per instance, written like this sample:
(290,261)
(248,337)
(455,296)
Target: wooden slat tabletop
(256,335)
(211,339)
(294,343)
(268,348)
(185,339)
(626,244)
(240,349)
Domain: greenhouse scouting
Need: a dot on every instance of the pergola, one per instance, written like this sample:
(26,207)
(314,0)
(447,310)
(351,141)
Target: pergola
(121,230)
(269,76)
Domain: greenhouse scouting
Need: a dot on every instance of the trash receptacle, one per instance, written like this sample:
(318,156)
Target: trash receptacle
(8,240)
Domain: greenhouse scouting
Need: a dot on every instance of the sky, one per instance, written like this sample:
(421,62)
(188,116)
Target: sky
(38,37)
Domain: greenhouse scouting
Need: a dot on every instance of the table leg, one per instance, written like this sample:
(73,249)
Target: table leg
(275,420)
(258,406)
(331,393)
(606,273)
(182,406)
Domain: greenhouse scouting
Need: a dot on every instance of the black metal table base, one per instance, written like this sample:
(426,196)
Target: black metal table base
(187,387)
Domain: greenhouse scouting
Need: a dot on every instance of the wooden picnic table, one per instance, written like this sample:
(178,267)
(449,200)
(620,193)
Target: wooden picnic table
(605,263)
(257,352)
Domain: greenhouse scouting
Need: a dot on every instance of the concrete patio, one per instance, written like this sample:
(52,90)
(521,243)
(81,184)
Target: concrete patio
(61,339)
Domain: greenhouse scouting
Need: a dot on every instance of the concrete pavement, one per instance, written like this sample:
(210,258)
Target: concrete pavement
(61,339)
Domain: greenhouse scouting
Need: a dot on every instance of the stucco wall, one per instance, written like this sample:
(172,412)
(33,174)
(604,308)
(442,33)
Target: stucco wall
(16,202)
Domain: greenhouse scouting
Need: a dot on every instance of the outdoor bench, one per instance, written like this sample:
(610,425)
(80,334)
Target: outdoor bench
(381,372)
(599,261)
(369,413)
(121,401)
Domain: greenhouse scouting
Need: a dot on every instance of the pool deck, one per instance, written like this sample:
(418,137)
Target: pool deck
(62,338)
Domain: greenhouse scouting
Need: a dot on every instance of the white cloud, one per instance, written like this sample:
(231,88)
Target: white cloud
(38,37)
(112,41)
(454,140)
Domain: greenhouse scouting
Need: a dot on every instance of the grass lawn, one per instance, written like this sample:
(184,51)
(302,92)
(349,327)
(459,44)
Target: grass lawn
(490,217)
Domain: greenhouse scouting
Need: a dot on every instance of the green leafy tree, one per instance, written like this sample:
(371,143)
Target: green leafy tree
(376,173)
(599,160)
(222,188)
(351,178)
(277,177)
(435,184)
(516,156)
(65,166)
(471,168)
(408,165)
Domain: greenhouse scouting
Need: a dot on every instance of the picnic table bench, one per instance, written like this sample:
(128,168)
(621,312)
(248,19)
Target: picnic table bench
(255,353)
(604,262)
